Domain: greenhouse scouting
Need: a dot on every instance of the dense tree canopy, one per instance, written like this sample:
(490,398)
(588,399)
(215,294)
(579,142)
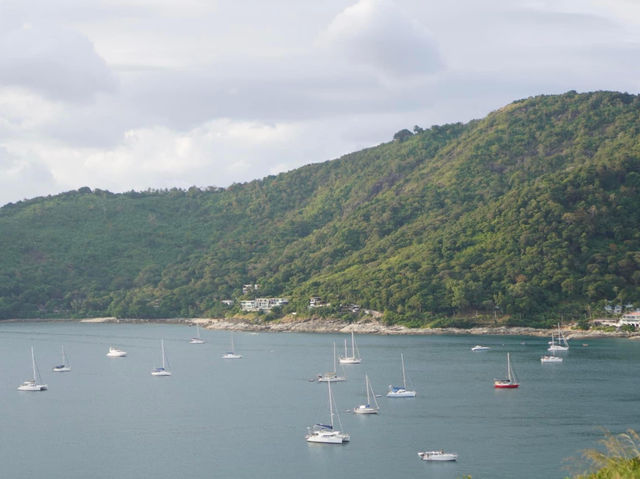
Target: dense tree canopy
(532,212)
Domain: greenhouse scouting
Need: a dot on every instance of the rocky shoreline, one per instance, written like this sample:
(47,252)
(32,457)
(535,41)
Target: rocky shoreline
(369,326)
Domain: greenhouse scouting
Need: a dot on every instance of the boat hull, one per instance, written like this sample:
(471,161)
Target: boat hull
(160,373)
(365,410)
(232,356)
(196,341)
(504,385)
(333,437)
(350,361)
(32,387)
(331,379)
(401,393)
(116,353)
(550,359)
(61,369)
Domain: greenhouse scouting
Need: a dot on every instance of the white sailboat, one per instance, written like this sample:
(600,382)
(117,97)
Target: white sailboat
(232,354)
(326,433)
(355,356)
(437,456)
(162,371)
(64,366)
(401,392)
(558,343)
(116,353)
(197,339)
(331,376)
(550,358)
(368,408)
(33,384)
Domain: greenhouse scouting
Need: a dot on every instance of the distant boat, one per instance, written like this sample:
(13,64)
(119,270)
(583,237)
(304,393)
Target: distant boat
(64,366)
(232,354)
(116,353)
(162,371)
(33,384)
(550,358)
(197,339)
(558,343)
(367,408)
(326,433)
(437,456)
(355,356)
(511,382)
(401,392)
(332,376)
(480,348)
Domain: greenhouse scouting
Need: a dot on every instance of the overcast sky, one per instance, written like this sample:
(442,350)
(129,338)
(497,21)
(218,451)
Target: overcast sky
(137,94)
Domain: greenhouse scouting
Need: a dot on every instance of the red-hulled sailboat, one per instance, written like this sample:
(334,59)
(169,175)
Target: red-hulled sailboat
(511,382)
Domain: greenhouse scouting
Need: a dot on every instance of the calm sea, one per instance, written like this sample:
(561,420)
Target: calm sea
(247,418)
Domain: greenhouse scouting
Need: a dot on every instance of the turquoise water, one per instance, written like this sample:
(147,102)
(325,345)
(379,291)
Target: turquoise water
(247,418)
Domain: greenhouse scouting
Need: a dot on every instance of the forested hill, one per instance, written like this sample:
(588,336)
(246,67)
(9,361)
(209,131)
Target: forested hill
(531,212)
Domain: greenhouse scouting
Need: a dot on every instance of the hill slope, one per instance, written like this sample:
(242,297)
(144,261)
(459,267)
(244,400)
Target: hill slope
(533,210)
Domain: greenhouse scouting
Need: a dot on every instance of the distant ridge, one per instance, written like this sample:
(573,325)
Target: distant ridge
(529,214)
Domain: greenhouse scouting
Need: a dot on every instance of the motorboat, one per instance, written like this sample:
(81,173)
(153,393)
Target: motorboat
(480,348)
(437,456)
(116,353)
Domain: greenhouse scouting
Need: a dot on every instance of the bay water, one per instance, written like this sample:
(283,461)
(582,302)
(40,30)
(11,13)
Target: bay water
(247,418)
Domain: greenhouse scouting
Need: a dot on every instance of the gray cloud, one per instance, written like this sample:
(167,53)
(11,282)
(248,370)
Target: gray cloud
(55,62)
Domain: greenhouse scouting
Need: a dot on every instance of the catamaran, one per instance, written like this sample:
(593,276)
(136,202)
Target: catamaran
(354,358)
(232,354)
(162,371)
(511,382)
(331,376)
(401,392)
(34,383)
(367,408)
(326,433)
(197,339)
(64,366)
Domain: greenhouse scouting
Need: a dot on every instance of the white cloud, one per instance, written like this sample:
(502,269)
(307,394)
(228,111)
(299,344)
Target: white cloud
(377,33)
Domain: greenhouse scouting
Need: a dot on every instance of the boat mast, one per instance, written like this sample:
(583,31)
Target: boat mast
(353,346)
(366,380)
(162,347)
(33,364)
(330,404)
(346,352)
(404,379)
(335,369)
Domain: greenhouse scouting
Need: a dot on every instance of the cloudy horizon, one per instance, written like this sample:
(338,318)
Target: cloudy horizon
(146,94)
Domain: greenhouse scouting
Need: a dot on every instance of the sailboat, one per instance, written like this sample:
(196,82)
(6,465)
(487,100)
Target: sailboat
(232,354)
(163,371)
(64,366)
(559,343)
(550,358)
(401,392)
(331,376)
(355,356)
(368,408)
(511,382)
(34,383)
(326,433)
(197,339)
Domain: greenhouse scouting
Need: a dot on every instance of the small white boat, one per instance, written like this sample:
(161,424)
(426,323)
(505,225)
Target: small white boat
(326,433)
(550,358)
(162,371)
(332,376)
(197,339)
(401,391)
(480,348)
(368,408)
(354,358)
(116,353)
(64,366)
(232,354)
(34,383)
(437,456)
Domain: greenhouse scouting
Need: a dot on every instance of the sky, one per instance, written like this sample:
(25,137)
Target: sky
(127,95)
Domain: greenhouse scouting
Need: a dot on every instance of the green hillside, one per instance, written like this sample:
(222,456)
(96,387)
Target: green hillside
(529,213)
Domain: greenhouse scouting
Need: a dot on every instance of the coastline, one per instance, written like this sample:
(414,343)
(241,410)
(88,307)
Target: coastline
(368,326)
